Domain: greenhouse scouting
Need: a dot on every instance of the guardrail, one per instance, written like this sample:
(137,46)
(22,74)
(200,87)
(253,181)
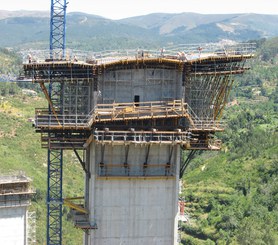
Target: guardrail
(180,51)
(139,110)
(206,124)
(112,112)
(43,118)
(125,112)
(210,144)
(153,136)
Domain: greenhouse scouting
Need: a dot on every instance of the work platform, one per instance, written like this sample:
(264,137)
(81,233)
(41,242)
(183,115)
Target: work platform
(110,113)
(17,224)
(15,191)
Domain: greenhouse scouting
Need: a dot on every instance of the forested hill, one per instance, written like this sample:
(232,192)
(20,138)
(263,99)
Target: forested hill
(232,196)
(10,64)
(25,29)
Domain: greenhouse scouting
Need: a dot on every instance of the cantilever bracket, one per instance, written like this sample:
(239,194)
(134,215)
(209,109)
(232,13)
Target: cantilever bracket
(224,102)
(69,202)
(168,164)
(49,101)
(126,157)
(148,153)
(145,165)
(185,164)
(88,141)
(82,163)
(171,153)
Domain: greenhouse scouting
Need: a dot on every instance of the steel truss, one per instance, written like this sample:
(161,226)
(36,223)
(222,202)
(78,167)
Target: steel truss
(55,156)
(58,29)
(54,197)
(54,175)
(186,162)
(207,86)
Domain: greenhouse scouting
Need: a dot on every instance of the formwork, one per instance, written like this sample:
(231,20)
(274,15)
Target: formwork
(15,197)
(131,112)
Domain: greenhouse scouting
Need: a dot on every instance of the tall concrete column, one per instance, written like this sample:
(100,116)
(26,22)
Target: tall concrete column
(139,207)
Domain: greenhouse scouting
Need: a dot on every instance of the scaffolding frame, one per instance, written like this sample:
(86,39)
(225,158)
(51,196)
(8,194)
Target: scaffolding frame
(15,190)
(31,228)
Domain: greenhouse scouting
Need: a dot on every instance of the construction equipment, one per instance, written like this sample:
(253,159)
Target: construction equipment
(55,156)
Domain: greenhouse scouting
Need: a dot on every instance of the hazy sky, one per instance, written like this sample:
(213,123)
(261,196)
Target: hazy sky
(117,9)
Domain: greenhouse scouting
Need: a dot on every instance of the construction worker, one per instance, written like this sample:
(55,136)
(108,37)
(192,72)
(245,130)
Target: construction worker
(29,57)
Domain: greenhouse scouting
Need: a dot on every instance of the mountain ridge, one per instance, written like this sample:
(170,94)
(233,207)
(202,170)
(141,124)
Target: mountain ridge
(87,31)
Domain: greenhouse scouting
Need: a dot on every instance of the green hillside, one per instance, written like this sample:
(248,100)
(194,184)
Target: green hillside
(10,64)
(20,150)
(232,196)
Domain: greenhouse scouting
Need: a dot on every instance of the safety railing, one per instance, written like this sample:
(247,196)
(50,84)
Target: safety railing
(64,141)
(132,136)
(45,119)
(184,52)
(124,112)
(139,110)
(210,144)
(181,51)
(207,124)
(204,123)
(111,112)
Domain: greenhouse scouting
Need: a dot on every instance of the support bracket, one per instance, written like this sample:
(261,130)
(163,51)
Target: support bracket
(81,162)
(185,164)
(145,165)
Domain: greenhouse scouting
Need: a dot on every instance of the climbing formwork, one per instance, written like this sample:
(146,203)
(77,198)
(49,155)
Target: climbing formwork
(131,112)
(16,223)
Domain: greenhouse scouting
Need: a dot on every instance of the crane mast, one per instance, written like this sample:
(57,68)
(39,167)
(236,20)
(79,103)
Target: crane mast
(58,29)
(55,156)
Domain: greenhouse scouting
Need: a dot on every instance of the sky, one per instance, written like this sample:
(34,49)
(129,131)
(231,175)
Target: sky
(119,9)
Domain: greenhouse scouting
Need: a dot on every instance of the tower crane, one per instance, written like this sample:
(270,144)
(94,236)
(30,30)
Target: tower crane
(55,156)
